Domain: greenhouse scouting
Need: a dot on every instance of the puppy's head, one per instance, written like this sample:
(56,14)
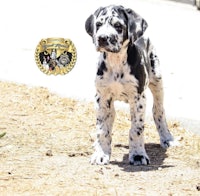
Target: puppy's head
(113,27)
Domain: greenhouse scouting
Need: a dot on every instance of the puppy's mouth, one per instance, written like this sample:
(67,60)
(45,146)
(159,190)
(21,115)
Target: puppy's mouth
(107,49)
(113,49)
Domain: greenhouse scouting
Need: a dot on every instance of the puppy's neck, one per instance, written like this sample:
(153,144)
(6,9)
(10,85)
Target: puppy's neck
(119,59)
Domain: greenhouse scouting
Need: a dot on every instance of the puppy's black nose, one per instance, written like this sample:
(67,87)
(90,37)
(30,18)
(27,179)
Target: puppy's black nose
(113,39)
(103,41)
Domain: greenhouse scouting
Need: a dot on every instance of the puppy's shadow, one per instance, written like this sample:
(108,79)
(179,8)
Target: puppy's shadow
(156,154)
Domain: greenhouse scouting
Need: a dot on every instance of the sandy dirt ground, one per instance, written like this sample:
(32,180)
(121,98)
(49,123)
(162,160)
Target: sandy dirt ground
(46,142)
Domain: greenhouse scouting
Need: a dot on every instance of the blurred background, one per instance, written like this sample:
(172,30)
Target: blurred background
(174,29)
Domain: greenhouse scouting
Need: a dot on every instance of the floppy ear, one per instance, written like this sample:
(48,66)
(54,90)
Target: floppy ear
(89,24)
(136,25)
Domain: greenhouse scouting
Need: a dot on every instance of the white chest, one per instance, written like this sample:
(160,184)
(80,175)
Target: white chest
(117,82)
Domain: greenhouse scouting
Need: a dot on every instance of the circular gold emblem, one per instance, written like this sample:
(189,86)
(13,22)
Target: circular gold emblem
(55,56)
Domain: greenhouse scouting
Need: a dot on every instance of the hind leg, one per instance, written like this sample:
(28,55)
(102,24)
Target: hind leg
(156,87)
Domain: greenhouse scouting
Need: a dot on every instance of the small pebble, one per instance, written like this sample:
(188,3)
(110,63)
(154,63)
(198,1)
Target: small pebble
(2,134)
(49,153)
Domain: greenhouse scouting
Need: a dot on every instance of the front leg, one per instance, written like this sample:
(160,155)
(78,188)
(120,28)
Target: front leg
(104,123)
(137,152)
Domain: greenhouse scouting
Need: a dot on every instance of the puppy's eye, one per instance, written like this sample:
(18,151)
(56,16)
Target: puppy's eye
(118,26)
(98,25)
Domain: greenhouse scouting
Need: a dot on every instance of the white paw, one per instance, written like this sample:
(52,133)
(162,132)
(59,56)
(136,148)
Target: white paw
(169,142)
(100,159)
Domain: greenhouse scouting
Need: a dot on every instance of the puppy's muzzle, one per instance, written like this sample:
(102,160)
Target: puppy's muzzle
(104,41)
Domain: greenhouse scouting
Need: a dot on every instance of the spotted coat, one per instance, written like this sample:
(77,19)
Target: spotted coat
(127,65)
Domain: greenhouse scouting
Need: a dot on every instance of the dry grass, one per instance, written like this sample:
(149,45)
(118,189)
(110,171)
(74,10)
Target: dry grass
(48,144)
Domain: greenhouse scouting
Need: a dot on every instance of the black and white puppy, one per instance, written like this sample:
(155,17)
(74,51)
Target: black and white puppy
(127,65)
